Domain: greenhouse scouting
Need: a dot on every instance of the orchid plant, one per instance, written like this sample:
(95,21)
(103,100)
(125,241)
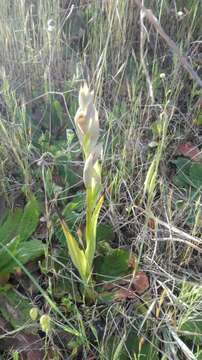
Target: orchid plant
(87,127)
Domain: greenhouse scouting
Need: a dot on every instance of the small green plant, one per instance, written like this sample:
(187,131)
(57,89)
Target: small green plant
(87,126)
(15,231)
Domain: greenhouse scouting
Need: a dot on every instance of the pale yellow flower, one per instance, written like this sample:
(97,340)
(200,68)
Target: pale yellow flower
(92,169)
(86,120)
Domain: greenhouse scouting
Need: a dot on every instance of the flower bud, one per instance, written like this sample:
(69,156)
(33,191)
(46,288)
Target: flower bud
(45,323)
(92,171)
(86,120)
(33,313)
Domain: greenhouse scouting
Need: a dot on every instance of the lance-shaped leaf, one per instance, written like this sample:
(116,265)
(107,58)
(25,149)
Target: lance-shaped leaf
(91,232)
(77,255)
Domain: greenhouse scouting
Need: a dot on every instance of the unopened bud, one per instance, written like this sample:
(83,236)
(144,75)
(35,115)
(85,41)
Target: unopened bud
(33,313)
(45,323)
(91,172)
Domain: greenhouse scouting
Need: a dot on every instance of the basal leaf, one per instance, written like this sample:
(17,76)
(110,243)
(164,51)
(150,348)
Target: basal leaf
(105,232)
(9,228)
(29,220)
(14,307)
(196,174)
(113,265)
(132,347)
(183,178)
(138,348)
(7,251)
(30,250)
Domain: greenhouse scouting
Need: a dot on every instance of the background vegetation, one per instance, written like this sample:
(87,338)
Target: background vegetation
(147,269)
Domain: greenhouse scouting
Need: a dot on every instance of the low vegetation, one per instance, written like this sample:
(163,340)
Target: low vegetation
(101,177)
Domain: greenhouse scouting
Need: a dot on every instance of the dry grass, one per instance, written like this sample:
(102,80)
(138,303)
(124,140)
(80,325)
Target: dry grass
(100,41)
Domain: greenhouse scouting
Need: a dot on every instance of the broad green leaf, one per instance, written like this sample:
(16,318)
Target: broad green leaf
(195,173)
(9,228)
(188,175)
(183,164)
(132,347)
(113,265)
(105,232)
(6,260)
(192,330)
(183,179)
(29,220)
(14,307)
(30,250)
(139,349)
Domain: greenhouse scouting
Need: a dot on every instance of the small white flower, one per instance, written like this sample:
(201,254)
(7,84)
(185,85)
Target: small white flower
(51,25)
(162,76)
(180,13)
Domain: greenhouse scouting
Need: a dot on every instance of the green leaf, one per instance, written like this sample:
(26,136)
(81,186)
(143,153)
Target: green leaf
(145,351)
(30,250)
(68,175)
(198,355)
(6,260)
(189,174)
(157,128)
(14,307)
(192,330)
(113,265)
(10,226)
(57,109)
(77,255)
(29,220)
(91,241)
(133,347)
(195,173)
(183,178)
(71,215)
(105,232)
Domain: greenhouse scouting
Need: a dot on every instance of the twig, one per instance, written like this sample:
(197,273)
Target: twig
(183,60)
